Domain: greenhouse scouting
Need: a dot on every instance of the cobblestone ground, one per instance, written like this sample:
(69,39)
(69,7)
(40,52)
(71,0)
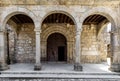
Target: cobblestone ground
(4,79)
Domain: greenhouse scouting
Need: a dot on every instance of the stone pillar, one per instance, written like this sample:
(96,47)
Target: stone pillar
(77,65)
(38,50)
(115,64)
(3,65)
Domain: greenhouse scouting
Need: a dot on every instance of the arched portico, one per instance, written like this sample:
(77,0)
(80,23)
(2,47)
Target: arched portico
(77,28)
(110,15)
(4,19)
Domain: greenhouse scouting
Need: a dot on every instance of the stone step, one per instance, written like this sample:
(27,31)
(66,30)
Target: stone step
(74,73)
(61,75)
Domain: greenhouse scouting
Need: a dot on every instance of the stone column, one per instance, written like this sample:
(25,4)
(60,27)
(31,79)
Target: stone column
(77,65)
(3,65)
(38,50)
(115,64)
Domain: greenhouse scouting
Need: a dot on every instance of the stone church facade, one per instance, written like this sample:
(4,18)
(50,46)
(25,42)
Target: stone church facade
(69,31)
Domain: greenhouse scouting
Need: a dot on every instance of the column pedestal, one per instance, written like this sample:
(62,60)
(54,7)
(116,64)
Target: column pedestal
(3,66)
(77,67)
(37,67)
(115,67)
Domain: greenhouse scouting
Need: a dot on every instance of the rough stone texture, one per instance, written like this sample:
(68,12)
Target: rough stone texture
(25,49)
(89,44)
(22,46)
(103,42)
(13,79)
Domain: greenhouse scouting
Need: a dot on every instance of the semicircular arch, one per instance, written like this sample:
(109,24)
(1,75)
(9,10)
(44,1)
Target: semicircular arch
(9,12)
(106,12)
(55,29)
(71,16)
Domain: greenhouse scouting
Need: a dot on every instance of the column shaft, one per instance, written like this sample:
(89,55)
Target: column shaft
(38,52)
(77,65)
(115,65)
(3,65)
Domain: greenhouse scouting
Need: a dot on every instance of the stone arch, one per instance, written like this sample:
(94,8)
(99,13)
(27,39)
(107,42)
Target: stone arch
(106,12)
(52,29)
(72,16)
(11,11)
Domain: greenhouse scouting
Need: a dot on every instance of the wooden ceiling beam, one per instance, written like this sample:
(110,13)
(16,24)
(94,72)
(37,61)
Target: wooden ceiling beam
(87,19)
(17,20)
(102,19)
(97,18)
(94,18)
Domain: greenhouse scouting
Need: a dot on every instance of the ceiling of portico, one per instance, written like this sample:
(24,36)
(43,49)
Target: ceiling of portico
(94,19)
(21,19)
(58,18)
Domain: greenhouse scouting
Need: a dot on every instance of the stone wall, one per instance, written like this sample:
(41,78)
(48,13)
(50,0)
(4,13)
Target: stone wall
(94,47)
(11,37)
(89,44)
(104,41)
(25,47)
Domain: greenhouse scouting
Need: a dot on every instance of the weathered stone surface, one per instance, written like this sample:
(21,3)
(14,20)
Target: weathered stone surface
(12,79)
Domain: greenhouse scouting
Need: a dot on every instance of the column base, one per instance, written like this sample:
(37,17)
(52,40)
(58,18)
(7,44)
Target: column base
(78,67)
(37,67)
(3,67)
(115,67)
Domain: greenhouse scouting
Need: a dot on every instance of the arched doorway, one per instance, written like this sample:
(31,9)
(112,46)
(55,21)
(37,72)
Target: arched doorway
(62,24)
(56,47)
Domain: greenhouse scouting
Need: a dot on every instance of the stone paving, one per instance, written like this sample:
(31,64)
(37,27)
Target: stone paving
(60,67)
(59,72)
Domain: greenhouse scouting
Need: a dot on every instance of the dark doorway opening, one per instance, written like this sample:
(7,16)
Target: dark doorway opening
(61,53)
(56,48)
